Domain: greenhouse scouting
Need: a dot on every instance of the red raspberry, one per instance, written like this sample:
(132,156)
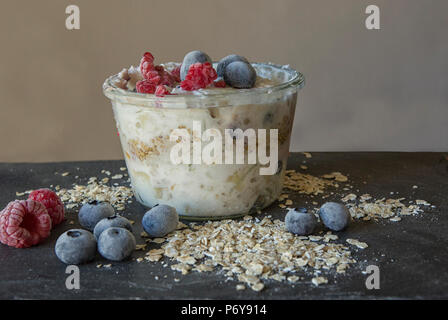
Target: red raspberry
(153,75)
(175,73)
(162,90)
(199,75)
(166,78)
(145,86)
(219,84)
(24,223)
(52,203)
(146,64)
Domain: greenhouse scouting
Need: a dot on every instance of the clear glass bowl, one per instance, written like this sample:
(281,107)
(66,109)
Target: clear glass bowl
(205,191)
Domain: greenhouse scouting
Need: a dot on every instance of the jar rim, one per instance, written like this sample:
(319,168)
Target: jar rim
(296,81)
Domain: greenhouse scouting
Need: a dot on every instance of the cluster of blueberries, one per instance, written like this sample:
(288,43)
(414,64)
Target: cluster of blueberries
(335,216)
(112,233)
(235,70)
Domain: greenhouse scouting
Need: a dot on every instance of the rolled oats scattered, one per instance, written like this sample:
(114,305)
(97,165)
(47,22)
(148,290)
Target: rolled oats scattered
(117,196)
(251,250)
(293,279)
(319,280)
(357,243)
(337,176)
(307,155)
(422,202)
(306,183)
(140,247)
(381,208)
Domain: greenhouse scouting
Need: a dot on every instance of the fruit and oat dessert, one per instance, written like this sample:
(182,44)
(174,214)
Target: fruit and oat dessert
(151,101)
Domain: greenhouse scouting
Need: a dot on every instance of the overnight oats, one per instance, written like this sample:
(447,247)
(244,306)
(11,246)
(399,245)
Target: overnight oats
(170,116)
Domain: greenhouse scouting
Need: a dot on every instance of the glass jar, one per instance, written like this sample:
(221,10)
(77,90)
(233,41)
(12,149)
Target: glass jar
(203,191)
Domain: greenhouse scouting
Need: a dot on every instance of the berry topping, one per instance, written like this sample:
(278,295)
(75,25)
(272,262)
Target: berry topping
(165,78)
(51,201)
(300,223)
(76,246)
(335,216)
(175,73)
(192,58)
(147,65)
(239,74)
(160,220)
(219,83)
(200,75)
(153,75)
(91,213)
(224,62)
(24,223)
(109,222)
(145,86)
(116,244)
(162,90)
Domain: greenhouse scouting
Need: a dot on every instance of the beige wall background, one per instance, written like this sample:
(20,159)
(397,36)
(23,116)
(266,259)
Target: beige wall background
(365,90)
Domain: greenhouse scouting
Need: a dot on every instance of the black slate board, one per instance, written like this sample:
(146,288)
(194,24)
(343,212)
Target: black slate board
(412,254)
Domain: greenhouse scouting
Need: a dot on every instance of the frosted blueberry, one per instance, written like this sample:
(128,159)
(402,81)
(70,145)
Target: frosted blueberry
(300,223)
(91,213)
(109,222)
(116,244)
(160,220)
(335,216)
(240,75)
(224,62)
(76,246)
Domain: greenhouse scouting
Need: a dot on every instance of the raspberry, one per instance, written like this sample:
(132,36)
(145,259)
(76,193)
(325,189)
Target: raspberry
(175,73)
(146,64)
(162,90)
(24,223)
(219,84)
(145,86)
(52,203)
(199,75)
(153,75)
(165,77)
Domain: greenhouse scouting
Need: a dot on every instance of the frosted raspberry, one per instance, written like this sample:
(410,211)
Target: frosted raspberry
(162,90)
(52,203)
(219,83)
(199,75)
(146,64)
(145,86)
(165,77)
(175,73)
(24,223)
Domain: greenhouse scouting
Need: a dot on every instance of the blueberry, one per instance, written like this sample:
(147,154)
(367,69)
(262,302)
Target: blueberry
(224,62)
(191,58)
(240,75)
(116,244)
(76,246)
(300,223)
(109,222)
(160,220)
(335,216)
(91,213)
